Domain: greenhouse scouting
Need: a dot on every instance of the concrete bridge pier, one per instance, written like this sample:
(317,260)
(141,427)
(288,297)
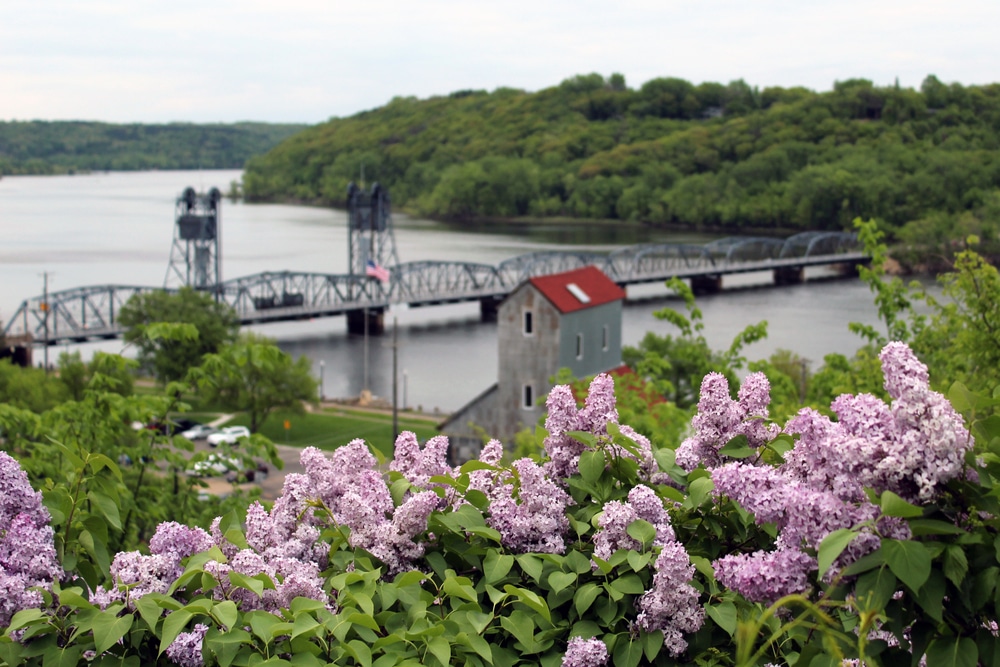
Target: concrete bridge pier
(789,275)
(376,321)
(706,284)
(488,307)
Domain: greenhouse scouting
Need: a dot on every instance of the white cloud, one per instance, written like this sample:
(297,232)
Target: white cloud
(307,60)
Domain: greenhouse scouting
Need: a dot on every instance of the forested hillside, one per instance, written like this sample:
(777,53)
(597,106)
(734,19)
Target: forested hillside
(42,147)
(727,156)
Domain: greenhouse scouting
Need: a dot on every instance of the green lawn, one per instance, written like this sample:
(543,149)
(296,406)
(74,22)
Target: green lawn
(334,427)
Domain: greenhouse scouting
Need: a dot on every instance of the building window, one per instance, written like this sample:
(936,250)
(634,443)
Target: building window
(579,346)
(528,397)
(529,323)
(605,338)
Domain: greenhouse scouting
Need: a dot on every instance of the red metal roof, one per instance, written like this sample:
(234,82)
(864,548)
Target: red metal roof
(590,282)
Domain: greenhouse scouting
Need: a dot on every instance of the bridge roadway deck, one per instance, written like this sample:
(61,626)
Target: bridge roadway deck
(90,313)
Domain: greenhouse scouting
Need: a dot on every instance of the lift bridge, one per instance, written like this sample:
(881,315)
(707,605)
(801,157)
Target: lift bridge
(377,279)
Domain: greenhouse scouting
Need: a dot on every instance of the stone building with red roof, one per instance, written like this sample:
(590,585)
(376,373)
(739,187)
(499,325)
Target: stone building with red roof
(565,320)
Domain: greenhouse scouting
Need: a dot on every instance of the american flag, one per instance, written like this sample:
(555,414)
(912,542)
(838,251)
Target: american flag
(373,270)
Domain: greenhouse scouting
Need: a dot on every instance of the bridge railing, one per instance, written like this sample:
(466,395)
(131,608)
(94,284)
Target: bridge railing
(77,314)
(91,312)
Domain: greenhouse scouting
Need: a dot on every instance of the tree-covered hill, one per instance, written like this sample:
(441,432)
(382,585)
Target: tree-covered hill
(729,156)
(43,147)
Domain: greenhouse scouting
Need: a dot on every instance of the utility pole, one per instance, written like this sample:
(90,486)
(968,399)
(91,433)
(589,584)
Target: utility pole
(395,380)
(365,388)
(45,320)
(802,379)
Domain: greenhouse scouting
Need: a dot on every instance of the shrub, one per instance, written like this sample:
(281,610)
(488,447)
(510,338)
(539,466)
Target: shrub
(821,542)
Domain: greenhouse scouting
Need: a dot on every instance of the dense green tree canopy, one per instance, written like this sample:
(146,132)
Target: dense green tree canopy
(43,147)
(254,376)
(708,155)
(213,324)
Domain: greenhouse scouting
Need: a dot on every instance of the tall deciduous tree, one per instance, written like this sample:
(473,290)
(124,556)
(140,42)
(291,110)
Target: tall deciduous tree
(254,376)
(169,358)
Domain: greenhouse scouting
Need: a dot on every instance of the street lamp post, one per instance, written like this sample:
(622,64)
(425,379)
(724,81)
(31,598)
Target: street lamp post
(322,366)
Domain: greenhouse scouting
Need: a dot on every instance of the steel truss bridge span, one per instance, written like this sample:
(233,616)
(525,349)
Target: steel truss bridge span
(91,313)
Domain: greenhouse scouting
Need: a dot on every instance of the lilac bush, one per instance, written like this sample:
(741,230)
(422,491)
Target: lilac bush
(27,548)
(911,448)
(510,560)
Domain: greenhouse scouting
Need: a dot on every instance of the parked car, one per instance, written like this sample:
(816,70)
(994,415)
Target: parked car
(258,474)
(215,464)
(228,435)
(169,427)
(199,431)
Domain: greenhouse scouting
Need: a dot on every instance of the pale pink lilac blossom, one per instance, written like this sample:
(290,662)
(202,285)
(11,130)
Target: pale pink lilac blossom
(419,465)
(720,419)
(594,417)
(27,548)
(642,503)
(765,576)
(585,653)
(185,650)
(911,448)
(484,479)
(671,605)
(562,418)
(534,517)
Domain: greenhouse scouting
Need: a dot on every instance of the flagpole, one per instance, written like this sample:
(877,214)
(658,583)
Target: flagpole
(366,348)
(395,380)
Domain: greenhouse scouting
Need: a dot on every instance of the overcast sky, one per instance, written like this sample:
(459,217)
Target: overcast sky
(309,60)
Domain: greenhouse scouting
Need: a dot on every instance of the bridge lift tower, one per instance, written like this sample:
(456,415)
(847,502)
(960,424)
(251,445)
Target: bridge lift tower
(196,254)
(369,225)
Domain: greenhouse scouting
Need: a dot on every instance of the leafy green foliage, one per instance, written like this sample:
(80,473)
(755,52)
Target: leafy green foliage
(173,331)
(76,374)
(254,376)
(56,147)
(29,388)
(707,155)
(675,365)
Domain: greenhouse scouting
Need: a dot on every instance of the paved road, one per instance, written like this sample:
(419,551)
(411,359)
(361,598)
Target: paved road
(271,485)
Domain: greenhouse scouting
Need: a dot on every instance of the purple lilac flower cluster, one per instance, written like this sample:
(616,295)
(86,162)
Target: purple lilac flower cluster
(532,518)
(910,448)
(765,576)
(27,549)
(292,578)
(355,492)
(135,574)
(585,653)
(720,419)
(419,465)
(671,606)
(598,411)
(642,503)
(185,650)
(486,480)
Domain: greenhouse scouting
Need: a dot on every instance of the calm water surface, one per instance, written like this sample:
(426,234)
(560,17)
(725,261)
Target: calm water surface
(117,229)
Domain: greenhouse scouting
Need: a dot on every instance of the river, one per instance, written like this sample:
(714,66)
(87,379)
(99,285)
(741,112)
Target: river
(116,228)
